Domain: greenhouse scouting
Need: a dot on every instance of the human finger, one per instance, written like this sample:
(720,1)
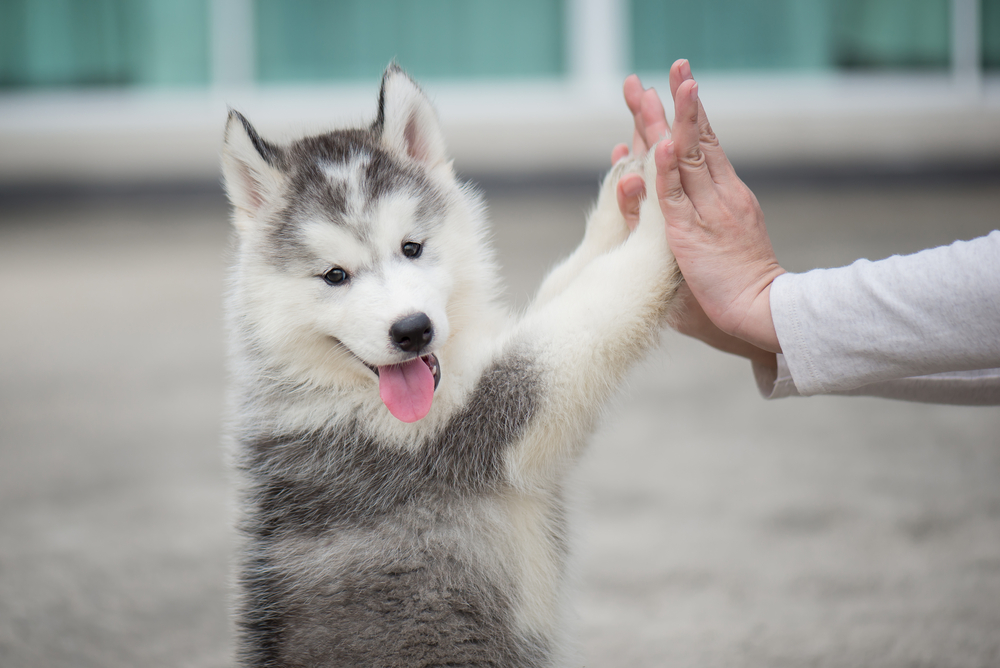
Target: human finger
(618,152)
(694,171)
(633,99)
(716,159)
(630,191)
(654,118)
(680,72)
(678,209)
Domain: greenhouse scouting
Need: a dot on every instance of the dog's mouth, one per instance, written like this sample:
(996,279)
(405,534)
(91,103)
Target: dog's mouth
(430,360)
(407,389)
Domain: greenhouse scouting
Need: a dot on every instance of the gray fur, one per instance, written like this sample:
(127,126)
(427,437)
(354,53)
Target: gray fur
(363,478)
(413,596)
(367,541)
(312,195)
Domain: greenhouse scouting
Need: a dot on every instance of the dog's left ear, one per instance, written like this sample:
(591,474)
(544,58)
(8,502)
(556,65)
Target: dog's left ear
(251,169)
(406,120)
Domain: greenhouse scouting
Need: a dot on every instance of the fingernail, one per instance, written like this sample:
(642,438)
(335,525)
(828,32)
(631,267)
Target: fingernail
(694,92)
(685,69)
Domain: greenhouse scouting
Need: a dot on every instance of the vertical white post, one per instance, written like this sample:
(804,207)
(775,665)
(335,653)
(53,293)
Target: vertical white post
(966,65)
(597,36)
(232,49)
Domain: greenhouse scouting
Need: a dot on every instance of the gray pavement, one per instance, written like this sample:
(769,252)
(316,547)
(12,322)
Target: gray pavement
(714,528)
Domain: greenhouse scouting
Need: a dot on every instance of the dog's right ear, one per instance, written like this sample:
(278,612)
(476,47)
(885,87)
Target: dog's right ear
(406,120)
(250,168)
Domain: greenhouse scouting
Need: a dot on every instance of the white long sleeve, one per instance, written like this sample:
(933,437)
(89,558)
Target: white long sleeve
(922,327)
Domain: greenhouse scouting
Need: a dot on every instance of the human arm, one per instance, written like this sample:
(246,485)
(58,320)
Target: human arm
(977,387)
(925,314)
(923,327)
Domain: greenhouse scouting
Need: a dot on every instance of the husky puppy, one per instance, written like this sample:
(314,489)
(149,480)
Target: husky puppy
(400,440)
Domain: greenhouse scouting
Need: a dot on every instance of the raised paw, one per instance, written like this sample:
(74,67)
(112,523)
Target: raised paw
(607,227)
(649,223)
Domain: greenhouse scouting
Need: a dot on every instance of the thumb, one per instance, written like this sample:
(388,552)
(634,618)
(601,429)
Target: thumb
(631,191)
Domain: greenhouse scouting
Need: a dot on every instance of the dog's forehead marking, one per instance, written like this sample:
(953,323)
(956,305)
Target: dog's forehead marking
(349,175)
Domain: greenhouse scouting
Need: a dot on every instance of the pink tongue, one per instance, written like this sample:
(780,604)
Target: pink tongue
(407,389)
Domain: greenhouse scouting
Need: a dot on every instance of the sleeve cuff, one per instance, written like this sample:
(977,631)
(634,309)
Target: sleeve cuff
(775,383)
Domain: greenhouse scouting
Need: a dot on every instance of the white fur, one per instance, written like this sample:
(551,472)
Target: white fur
(350,174)
(595,315)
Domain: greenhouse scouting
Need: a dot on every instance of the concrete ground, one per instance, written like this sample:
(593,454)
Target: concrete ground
(714,528)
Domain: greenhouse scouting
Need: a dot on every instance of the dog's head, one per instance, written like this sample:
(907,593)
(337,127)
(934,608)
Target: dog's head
(351,246)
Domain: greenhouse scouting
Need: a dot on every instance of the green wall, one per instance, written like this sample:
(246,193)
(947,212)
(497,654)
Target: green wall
(792,34)
(52,43)
(312,40)
(158,43)
(991,34)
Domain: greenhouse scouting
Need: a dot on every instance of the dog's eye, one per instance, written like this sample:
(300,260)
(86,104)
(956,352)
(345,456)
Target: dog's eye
(412,249)
(335,276)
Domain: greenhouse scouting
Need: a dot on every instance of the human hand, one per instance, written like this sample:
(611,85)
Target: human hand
(714,223)
(650,127)
(690,319)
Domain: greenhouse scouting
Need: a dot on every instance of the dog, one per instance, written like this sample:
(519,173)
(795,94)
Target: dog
(401,440)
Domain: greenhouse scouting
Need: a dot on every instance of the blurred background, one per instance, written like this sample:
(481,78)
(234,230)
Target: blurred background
(715,529)
(100,90)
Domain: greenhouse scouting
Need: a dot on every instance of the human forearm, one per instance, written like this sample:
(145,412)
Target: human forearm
(926,313)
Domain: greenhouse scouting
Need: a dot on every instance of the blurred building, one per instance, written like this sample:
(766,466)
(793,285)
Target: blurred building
(137,90)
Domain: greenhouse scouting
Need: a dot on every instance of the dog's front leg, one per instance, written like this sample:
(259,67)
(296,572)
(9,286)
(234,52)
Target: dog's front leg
(588,335)
(606,229)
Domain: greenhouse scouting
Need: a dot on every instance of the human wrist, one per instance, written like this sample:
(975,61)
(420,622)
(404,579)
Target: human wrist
(765,323)
(757,327)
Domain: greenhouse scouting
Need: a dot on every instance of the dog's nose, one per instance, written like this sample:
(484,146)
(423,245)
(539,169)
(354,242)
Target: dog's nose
(412,333)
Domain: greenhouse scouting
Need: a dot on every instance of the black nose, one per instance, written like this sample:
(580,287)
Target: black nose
(412,333)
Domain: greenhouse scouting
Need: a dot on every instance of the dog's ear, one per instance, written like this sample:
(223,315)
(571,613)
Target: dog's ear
(406,120)
(250,167)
